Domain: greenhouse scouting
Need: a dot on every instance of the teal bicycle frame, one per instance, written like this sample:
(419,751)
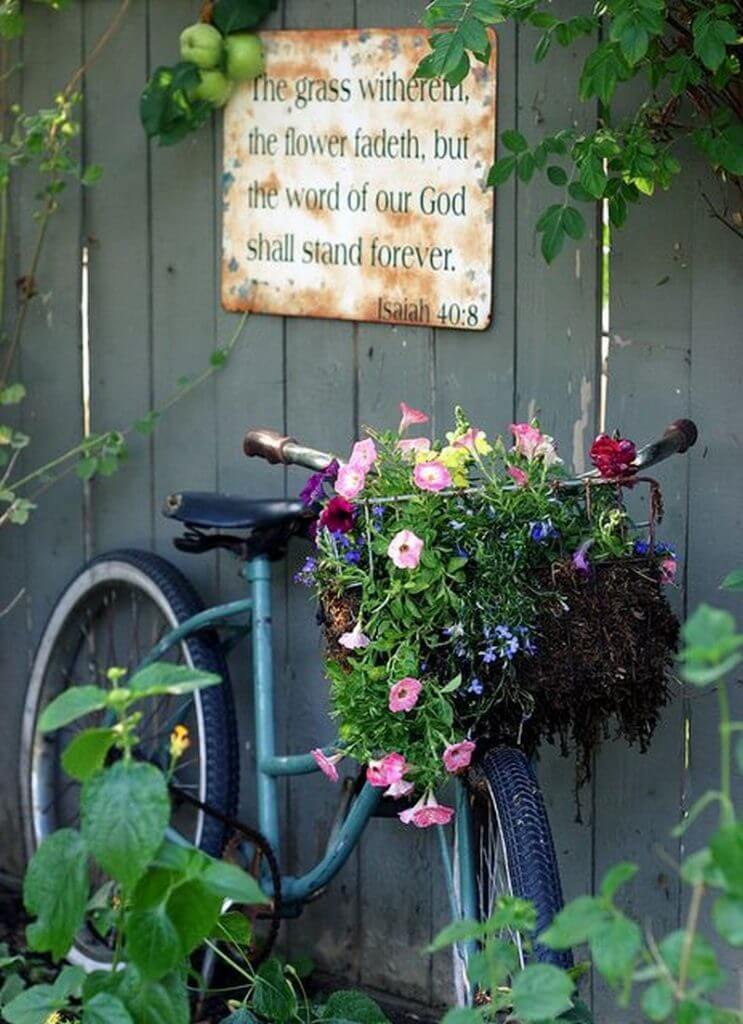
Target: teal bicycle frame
(297,891)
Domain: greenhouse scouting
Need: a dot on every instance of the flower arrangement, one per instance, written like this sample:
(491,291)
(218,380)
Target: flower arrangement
(446,573)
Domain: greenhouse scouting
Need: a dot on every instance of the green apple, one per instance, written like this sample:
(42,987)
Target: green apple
(202,45)
(244,56)
(214,88)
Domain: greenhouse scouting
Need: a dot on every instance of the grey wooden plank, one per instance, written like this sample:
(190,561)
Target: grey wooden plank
(116,227)
(394,364)
(50,352)
(556,361)
(716,502)
(13,540)
(638,798)
(320,409)
(184,300)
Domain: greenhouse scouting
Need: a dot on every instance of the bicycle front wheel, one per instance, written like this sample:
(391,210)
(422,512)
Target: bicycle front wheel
(111,615)
(513,853)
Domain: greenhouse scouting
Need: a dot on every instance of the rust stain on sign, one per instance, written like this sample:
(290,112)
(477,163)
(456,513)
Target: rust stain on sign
(352,190)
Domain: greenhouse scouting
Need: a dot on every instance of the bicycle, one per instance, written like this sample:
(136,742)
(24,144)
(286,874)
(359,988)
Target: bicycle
(137,605)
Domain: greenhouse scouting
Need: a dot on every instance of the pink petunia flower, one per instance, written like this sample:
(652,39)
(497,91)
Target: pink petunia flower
(473,440)
(337,516)
(404,694)
(526,439)
(547,452)
(413,444)
(427,812)
(613,456)
(432,476)
(355,639)
(458,756)
(327,765)
(668,570)
(405,549)
(399,789)
(350,481)
(409,417)
(364,455)
(520,478)
(387,770)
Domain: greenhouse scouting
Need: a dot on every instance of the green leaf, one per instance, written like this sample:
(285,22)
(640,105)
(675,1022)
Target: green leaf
(232,883)
(700,868)
(542,48)
(657,1001)
(451,686)
(712,36)
(13,394)
(194,911)
(152,942)
(273,996)
(514,141)
(550,225)
(575,923)
(573,222)
(727,914)
(350,1005)
(614,948)
(704,971)
(592,176)
(233,927)
(77,702)
(69,982)
(616,877)
(125,812)
(727,853)
(501,171)
(152,1002)
(86,753)
(526,167)
(55,889)
(105,1009)
(541,992)
(34,1006)
(92,174)
(240,1016)
(557,175)
(458,931)
(733,580)
(163,677)
(462,1015)
(236,15)
(11,987)
(601,72)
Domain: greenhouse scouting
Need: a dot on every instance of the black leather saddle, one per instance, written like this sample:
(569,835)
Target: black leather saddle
(269,522)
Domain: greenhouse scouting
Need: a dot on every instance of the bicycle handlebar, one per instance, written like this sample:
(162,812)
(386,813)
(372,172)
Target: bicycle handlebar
(278,448)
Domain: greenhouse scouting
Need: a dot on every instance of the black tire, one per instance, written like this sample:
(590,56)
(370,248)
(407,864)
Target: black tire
(165,591)
(530,852)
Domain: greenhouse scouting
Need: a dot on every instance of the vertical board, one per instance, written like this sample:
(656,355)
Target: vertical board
(117,212)
(50,352)
(13,539)
(638,797)
(557,316)
(320,409)
(184,301)
(716,501)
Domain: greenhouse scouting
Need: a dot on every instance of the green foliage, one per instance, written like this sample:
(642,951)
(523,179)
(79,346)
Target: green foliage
(673,977)
(160,902)
(671,52)
(240,15)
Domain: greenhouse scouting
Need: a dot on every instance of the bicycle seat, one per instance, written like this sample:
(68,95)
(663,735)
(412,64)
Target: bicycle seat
(207,511)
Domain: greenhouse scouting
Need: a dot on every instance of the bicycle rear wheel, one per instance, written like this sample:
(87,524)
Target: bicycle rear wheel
(111,615)
(513,851)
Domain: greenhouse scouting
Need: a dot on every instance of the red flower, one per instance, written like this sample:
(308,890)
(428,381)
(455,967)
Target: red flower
(612,456)
(337,516)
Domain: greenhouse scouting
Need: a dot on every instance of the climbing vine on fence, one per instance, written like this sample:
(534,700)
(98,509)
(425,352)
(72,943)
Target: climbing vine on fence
(684,60)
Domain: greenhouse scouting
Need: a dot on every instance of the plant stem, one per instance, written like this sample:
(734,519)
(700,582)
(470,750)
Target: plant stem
(689,934)
(727,814)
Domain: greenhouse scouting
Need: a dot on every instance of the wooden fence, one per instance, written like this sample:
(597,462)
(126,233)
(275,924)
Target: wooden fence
(151,228)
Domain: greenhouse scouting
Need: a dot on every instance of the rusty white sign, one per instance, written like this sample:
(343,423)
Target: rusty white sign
(353,190)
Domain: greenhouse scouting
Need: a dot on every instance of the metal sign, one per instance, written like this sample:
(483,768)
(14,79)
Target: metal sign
(353,190)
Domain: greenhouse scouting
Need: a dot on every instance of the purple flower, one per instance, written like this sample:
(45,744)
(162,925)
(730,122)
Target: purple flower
(306,575)
(461,552)
(543,531)
(489,655)
(642,547)
(475,686)
(313,491)
(456,525)
(581,563)
(352,557)
(503,632)
(511,648)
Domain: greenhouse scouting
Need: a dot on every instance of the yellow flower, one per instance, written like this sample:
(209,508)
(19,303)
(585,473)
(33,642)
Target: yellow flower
(179,741)
(473,440)
(54,1018)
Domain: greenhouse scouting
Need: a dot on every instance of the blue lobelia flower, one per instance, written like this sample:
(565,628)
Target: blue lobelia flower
(475,686)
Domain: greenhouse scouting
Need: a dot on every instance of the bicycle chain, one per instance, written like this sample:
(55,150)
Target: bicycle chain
(262,844)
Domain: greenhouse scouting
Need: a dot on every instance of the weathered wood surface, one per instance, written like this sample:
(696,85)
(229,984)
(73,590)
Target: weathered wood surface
(153,230)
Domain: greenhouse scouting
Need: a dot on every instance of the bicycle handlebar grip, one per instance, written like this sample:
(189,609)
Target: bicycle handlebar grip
(684,433)
(267,444)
